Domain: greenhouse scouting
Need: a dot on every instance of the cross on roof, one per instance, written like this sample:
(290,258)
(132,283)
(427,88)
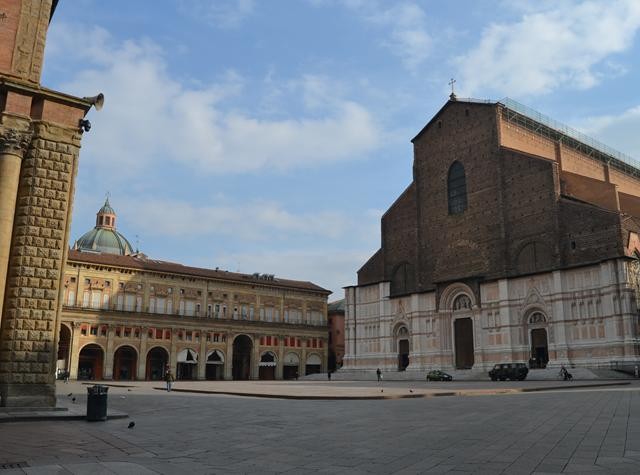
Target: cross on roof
(453,94)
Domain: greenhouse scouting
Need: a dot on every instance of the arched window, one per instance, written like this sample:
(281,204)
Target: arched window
(457,189)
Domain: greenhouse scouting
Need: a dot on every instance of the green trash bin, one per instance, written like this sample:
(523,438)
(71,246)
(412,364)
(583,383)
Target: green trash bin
(97,403)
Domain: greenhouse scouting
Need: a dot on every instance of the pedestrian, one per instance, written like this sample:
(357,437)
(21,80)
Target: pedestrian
(636,372)
(168,377)
(379,373)
(329,375)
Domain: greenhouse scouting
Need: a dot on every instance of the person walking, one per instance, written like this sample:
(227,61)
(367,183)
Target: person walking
(379,374)
(168,377)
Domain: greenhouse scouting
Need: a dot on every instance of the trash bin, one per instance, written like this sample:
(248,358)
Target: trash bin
(97,403)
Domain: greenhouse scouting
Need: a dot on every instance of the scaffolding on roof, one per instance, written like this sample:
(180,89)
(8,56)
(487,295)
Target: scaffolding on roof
(513,111)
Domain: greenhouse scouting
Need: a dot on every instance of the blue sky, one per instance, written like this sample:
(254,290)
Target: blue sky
(270,135)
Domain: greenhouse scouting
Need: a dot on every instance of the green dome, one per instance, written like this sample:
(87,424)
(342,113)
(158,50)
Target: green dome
(104,240)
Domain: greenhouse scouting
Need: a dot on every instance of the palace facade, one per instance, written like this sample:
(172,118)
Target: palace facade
(517,241)
(126,316)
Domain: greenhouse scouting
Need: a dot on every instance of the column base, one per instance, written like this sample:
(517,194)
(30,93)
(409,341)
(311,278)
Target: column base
(27,395)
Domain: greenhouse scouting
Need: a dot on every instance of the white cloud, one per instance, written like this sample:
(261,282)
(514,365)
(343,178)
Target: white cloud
(150,118)
(247,221)
(617,131)
(562,44)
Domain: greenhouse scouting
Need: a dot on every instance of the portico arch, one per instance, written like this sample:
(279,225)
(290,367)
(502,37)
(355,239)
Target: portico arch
(291,366)
(157,363)
(267,366)
(91,362)
(125,362)
(241,362)
(187,364)
(64,351)
(215,365)
(314,364)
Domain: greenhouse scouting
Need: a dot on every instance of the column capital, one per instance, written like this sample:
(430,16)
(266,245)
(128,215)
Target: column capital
(15,142)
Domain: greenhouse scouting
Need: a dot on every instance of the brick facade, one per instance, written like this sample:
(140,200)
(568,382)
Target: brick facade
(538,202)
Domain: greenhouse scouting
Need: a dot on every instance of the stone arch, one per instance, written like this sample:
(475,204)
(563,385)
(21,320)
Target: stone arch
(453,291)
(91,361)
(157,359)
(402,344)
(533,256)
(187,364)
(267,365)
(313,364)
(291,365)
(214,365)
(63,363)
(241,358)
(537,334)
(402,279)
(125,362)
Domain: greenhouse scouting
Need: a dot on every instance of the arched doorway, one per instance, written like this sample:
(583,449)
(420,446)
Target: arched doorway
(463,329)
(539,342)
(157,362)
(125,361)
(215,365)
(64,345)
(314,364)
(463,332)
(241,363)
(90,362)
(402,337)
(187,365)
(291,367)
(267,366)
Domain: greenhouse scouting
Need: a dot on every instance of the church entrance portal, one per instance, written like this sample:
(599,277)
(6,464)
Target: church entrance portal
(242,346)
(539,348)
(124,364)
(90,362)
(403,354)
(463,329)
(157,360)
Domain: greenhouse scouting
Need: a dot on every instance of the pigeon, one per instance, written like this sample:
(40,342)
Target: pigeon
(410,390)
(131,425)
(129,390)
(73,399)
(70,394)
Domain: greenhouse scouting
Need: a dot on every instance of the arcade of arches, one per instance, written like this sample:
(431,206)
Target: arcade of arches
(129,362)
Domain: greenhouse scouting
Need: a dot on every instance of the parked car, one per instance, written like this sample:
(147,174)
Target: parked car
(437,375)
(512,371)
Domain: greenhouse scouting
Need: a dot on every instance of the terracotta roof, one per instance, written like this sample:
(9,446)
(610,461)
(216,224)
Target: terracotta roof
(143,263)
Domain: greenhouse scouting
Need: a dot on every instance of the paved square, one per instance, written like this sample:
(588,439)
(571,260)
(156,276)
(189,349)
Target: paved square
(579,431)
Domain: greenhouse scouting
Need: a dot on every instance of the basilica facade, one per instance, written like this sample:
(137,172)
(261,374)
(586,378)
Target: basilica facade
(517,241)
(126,316)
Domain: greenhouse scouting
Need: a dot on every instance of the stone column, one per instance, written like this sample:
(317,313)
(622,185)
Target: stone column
(34,275)
(74,350)
(255,358)
(173,355)
(202,357)
(228,358)
(280,367)
(12,146)
(107,371)
(142,355)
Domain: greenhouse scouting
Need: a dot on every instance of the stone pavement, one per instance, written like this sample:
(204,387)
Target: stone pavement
(591,430)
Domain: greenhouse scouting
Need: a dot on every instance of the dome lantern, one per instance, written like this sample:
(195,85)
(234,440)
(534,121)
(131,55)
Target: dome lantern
(103,237)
